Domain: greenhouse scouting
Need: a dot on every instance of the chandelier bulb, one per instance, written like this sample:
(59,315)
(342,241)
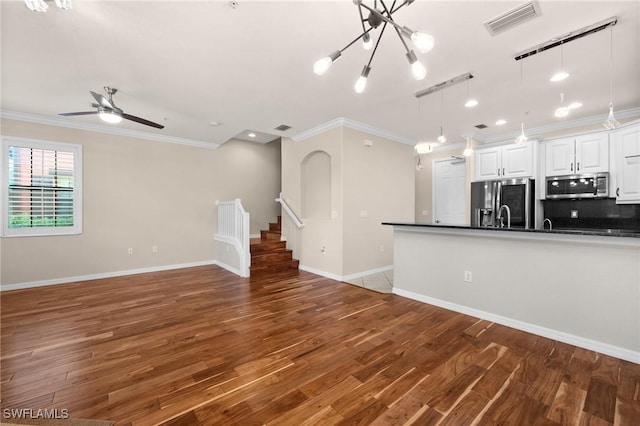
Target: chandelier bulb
(423,42)
(322,65)
(367,42)
(361,82)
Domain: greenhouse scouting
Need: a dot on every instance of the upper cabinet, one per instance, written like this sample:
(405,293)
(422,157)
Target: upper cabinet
(509,161)
(580,154)
(626,151)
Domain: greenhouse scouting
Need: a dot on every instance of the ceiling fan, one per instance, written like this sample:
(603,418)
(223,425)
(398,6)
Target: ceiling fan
(109,112)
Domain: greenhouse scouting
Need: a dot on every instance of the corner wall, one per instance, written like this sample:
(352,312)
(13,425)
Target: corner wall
(369,185)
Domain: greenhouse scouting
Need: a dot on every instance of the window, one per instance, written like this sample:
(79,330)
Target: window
(42,188)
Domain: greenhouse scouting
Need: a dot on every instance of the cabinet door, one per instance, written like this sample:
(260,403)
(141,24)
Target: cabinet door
(592,153)
(559,157)
(517,160)
(627,142)
(488,164)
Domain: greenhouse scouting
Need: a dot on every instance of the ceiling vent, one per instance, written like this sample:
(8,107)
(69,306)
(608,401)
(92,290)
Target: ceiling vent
(513,17)
(283,127)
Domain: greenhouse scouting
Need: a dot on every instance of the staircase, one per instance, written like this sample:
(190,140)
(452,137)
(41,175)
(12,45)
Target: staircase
(269,254)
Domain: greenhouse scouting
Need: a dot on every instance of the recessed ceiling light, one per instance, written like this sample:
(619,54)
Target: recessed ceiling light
(214,123)
(574,105)
(501,122)
(559,76)
(252,135)
(471,103)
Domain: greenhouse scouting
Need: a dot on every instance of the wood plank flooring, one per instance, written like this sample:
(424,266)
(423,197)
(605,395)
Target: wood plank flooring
(201,346)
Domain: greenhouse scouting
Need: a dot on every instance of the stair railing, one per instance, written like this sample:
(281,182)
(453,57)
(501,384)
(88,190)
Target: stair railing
(233,229)
(292,215)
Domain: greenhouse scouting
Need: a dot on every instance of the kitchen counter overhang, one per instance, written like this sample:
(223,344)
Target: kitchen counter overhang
(578,287)
(596,236)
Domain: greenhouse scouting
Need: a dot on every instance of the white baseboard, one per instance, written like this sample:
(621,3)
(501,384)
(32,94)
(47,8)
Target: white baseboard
(229,268)
(594,345)
(344,277)
(367,273)
(319,272)
(67,280)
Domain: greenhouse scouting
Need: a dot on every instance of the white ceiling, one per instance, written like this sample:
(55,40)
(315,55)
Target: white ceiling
(186,64)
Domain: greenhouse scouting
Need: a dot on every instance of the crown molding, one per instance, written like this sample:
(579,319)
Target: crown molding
(351,124)
(62,122)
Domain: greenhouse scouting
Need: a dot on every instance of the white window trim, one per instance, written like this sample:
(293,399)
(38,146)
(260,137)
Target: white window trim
(77,190)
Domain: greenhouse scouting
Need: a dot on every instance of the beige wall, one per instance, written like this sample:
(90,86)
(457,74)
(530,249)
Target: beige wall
(373,181)
(378,187)
(517,280)
(424,181)
(139,193)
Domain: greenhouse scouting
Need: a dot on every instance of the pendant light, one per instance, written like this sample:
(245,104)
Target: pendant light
(563,111)
(419,165)
(522,139)
(562,74)
(422,147)
(611,122)
(468,151)
(471,102)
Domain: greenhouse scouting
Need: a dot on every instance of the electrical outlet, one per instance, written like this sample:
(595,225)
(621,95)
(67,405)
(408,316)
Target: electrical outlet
(425,212)
(364,213)
(468,277)
(381,248)
(323,250)
(130,250)
(154,249)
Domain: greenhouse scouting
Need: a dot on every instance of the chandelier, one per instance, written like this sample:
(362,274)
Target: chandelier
(379,14)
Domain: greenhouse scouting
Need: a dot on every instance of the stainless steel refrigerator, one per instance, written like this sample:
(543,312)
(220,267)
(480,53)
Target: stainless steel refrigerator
(503,203)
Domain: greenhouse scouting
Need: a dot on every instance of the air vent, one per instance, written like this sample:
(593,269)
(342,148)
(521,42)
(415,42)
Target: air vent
(481,126)
(283,127)
(513,17)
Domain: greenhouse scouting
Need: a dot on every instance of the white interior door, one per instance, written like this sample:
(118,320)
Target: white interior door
(449,192)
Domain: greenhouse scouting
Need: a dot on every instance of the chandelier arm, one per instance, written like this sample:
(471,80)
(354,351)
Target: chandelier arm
(354,40)
(384,26)
(361,18)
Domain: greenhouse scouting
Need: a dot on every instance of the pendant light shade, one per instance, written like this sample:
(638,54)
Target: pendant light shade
(468,151)
(561,74)
(522,139)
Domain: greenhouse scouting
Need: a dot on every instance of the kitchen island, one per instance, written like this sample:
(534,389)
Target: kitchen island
(578,287)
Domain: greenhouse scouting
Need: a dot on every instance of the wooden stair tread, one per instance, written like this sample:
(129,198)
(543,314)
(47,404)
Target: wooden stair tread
(269,254)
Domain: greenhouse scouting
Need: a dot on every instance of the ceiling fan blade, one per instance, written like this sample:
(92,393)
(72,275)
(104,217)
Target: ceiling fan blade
(142,121)
(71,114)
(101,100)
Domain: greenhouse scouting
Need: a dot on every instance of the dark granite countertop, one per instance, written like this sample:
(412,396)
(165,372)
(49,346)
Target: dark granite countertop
(591,232)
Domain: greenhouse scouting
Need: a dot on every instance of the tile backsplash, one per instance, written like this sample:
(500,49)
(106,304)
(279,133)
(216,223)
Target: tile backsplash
(592,214)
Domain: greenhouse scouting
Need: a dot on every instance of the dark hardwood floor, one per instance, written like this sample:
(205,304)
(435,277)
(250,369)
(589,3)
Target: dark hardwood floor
(202,346)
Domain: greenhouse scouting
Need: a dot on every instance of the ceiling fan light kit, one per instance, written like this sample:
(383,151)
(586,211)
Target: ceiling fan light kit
(380,14)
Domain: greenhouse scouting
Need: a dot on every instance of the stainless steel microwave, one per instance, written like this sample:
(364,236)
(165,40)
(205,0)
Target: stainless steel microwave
(592,185)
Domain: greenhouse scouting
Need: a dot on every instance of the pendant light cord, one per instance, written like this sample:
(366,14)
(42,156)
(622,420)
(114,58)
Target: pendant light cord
(611,66)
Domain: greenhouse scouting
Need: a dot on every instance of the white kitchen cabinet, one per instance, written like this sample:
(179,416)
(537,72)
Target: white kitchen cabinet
(509,161)
(626,149)
(580,154)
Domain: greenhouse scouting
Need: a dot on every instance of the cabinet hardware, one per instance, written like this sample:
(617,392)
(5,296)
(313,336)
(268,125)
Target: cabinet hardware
(503,171)
(617,191)
(632,156)
(571,166)
(578,166)
(498,171)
